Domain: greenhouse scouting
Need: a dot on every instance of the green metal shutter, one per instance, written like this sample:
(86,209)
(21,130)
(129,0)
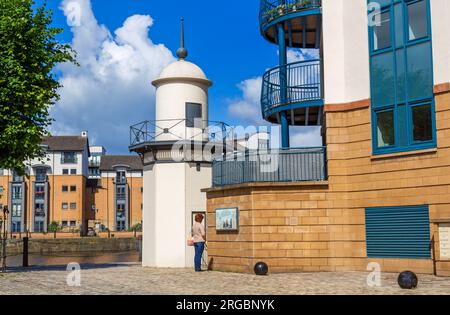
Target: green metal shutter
(398,232)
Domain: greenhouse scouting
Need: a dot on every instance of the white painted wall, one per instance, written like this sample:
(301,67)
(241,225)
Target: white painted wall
(440,28)
(171,98)
(195,199)
(129,174)
(346,51)
(53,160)
(164,216)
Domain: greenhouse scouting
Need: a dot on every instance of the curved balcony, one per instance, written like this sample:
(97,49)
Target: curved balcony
(293,165)
(295,88)
(301,19)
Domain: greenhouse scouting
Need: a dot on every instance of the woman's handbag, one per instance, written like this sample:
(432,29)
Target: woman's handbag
(190,241)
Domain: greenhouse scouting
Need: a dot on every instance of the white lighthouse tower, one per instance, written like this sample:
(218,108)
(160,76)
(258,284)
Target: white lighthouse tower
(172,184)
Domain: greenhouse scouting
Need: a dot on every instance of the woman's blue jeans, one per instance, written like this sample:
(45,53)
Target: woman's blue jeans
(199,248)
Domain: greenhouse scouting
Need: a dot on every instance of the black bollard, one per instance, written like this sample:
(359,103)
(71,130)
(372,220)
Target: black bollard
(25,252)
(408,280)
(261,269)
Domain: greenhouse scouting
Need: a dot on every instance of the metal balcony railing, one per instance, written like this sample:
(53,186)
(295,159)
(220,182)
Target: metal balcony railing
(69,160)
(291,84)
(273,9)
(150,130)
(292,165)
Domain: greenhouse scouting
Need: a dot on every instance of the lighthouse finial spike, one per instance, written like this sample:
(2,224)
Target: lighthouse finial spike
(182,52)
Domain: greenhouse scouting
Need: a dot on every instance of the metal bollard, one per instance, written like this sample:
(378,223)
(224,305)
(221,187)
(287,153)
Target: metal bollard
(25,252)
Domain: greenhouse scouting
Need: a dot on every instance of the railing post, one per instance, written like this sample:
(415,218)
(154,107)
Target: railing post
(283,84)
(25,252)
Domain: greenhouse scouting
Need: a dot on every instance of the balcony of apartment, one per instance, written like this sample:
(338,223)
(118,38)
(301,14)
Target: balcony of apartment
(301,20)
(94,163)
(296,89)
(69,158)
(292,165)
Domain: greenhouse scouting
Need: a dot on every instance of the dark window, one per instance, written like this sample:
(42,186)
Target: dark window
(69,158)
(385,129)
(73,205)
(121,193)
(193,113)
(65,188)
(16,211)
(73,223)
(41,174)
(417,20)
(17,192)
(16,177)
(73,188)
(422,123)
(121,177)
(73,171)
(64,224)
(39,210)
(39,192)
(65,206)
(16,226)
(382,32)
(38,226)
(65,171)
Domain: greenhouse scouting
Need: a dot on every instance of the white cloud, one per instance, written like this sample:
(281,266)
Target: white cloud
(111,89)
(247,108)
(306,136)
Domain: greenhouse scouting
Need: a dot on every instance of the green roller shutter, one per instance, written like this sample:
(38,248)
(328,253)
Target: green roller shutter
(398,232)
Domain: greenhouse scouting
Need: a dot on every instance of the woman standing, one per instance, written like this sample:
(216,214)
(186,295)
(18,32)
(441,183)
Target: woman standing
(199,236)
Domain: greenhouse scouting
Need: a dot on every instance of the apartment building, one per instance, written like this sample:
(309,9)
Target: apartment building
(61,187)
(117,196)
(378,190)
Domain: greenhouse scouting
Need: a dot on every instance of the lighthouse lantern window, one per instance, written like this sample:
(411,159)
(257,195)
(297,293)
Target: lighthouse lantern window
(193,112)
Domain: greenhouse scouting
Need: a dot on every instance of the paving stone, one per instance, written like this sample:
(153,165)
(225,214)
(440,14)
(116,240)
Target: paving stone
(133,279)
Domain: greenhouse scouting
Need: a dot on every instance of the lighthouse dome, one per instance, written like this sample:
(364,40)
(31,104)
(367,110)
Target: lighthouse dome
(182,70)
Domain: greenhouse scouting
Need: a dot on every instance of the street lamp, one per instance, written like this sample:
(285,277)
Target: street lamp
(5,235)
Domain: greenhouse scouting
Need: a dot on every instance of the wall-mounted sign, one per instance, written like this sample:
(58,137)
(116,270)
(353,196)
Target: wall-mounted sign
(227,219)
(444,241)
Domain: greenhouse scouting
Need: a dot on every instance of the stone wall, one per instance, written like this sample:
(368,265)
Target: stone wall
(74,245)
(321,226)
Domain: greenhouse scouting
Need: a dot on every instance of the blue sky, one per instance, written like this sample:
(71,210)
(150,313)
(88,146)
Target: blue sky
(222,38)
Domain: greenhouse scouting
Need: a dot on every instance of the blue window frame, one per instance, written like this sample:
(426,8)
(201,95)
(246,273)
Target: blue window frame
(401,75)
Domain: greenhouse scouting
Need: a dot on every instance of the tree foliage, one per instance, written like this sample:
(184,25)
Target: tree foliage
(29,52)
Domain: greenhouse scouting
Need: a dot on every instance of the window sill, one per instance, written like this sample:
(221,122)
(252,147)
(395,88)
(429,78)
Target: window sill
(403,154)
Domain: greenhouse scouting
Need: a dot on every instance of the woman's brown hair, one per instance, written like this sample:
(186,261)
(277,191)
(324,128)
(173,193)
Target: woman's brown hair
(199,217)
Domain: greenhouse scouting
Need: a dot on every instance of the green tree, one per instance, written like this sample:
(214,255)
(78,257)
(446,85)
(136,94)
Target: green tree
(29,52)
(54,227)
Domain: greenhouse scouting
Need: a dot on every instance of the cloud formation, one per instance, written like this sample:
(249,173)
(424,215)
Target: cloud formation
(111,89)
(247,108)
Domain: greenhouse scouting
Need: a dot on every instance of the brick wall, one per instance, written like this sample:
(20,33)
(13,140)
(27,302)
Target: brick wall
(301,227)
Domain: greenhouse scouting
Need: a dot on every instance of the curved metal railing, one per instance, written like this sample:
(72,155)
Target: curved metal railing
(270,10)
(290,84)
(150,130)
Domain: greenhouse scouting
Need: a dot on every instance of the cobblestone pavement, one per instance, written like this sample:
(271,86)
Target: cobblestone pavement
(133,279)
